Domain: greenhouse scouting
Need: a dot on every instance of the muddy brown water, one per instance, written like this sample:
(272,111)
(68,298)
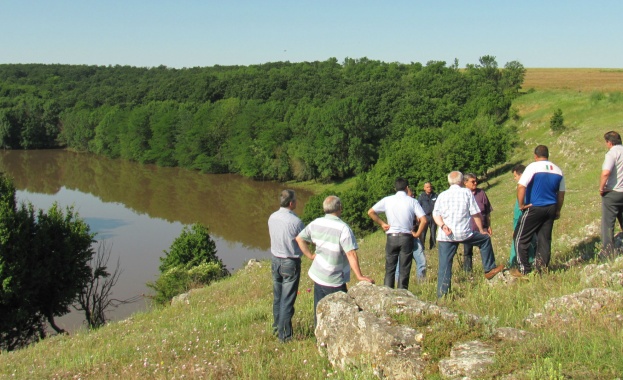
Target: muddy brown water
(138,211)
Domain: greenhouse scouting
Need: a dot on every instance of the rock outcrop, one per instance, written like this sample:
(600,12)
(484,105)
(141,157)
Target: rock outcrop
(606,274)
(354,329)
(565,310)
(349,336)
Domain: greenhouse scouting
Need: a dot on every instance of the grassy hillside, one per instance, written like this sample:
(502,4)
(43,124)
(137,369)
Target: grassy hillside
(225,331)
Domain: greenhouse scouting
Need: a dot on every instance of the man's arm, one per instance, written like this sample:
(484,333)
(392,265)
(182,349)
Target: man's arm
(353,260)
(521,196)
(304,245)
(439,221)
(421,227)
(602,181)
(478,220)
(560,201)
(375,217)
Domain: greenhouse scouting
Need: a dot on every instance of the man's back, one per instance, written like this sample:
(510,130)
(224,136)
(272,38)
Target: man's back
(400,210)
(455,206)
(333,238)
(543,180)
(283,226)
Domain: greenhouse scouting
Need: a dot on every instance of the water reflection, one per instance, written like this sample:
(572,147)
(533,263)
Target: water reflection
(105,227)
(140,209)
(234,208)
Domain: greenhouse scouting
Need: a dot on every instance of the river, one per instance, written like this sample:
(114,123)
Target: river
(139,210)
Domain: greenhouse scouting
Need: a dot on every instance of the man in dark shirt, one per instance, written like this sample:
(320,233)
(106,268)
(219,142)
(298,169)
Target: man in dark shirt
(470,181)
(427,201)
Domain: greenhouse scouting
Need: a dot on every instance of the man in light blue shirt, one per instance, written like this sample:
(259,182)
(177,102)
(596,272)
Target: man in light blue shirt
(283,226)
(400,210)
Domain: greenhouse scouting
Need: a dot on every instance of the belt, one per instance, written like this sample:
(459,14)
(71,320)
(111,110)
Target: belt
(401,234)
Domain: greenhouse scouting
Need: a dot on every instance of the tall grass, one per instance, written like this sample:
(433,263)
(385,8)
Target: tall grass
(225,330)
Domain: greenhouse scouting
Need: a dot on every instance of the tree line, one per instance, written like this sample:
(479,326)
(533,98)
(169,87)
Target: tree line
(276,121)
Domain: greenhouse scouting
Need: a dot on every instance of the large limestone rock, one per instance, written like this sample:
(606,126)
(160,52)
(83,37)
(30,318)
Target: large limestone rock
(350,336)
(354,329)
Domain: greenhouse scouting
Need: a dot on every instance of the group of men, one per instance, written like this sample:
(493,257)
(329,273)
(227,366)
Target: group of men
(458,215)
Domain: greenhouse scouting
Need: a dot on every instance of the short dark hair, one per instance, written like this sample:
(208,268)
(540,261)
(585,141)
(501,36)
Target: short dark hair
(286,197)
(613,137)
(519,168)
(541,151)
(401,184)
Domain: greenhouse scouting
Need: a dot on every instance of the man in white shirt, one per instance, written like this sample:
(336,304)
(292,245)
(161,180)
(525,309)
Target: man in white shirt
(400,210)
(453,212)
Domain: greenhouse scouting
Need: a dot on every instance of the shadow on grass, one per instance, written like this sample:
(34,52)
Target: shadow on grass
(583,252)
(502,170)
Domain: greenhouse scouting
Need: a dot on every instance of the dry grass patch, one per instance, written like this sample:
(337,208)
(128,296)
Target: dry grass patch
(582,80)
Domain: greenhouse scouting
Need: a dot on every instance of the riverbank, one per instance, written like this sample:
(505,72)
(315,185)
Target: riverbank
(224,332)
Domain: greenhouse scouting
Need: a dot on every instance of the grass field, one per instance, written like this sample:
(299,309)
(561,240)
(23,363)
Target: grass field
(225,331)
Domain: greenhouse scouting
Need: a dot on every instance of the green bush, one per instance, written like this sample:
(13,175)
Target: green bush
(597,96)
(557,122)
(193,247)
(178,280)
(190,263)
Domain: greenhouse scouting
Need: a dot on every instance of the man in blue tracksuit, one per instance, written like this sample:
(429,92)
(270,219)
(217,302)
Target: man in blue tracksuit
(540,194)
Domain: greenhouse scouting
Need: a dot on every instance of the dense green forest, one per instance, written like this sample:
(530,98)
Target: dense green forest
(280,121)
(283,121)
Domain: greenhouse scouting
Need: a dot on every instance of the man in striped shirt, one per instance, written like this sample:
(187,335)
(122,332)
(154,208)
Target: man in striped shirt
(540,194)
(336,248)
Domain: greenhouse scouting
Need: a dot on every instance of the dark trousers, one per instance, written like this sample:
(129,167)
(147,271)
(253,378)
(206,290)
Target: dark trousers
(321,291)
(286,275)
(432,226)
(539,221)
(611,209)
(398,248)
(468,257)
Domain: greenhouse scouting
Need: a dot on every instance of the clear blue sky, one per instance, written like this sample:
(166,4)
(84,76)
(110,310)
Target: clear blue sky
(189,33)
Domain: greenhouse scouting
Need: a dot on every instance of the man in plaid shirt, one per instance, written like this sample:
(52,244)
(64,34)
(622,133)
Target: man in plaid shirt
(453,211)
